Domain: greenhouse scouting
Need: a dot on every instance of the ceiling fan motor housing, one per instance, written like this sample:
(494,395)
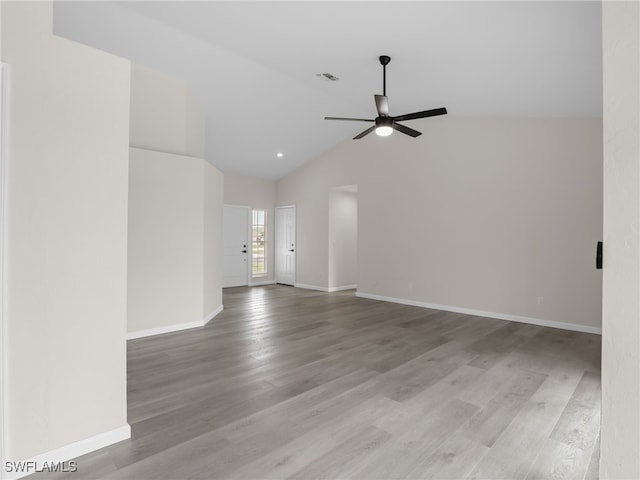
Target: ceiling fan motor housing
(384,122)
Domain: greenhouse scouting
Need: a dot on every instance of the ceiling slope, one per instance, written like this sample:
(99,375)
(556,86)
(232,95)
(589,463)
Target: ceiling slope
(253,65)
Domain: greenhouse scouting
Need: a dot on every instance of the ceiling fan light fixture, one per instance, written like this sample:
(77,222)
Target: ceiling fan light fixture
(384,126)
(384,131)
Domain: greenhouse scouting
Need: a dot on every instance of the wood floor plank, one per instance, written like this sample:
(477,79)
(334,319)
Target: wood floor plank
(593,469)
(454,459)
(515,450)
(417,442)
(559,460)
(347,427)
(489,381)
(292,383)
(175,462)
(90,466)
(430,399)
(315,400)
(347,457)
(579,424)
(487,426)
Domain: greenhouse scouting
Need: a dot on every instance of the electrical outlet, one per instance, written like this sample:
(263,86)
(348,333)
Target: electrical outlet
(540,300)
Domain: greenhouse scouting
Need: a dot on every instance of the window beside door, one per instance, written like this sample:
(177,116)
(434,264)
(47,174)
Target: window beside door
(258,243)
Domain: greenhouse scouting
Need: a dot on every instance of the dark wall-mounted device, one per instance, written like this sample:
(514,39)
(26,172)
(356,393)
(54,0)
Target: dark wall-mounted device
(599,256)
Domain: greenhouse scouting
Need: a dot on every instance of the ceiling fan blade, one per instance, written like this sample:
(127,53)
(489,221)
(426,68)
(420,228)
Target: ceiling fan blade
(350,119)
(406,130)
(382,104)
(423,114)
(366,132)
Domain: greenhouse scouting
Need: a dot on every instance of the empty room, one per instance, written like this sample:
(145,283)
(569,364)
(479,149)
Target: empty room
(320,239)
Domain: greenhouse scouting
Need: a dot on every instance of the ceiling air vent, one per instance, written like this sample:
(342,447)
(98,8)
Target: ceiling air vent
(327,76)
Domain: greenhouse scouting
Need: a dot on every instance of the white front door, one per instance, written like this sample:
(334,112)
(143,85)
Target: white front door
(285,272)
(235,240)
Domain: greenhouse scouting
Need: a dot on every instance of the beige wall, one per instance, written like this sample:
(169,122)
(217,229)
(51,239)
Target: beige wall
(249,191)
(166,232)
(164,114)
(175,211)
(66,236)
(343,239)
(212,240)
(620,439)
(3,360)
(477,214)
(308,189)
(256,193)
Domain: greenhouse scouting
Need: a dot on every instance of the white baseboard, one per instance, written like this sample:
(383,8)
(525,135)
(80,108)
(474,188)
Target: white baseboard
(66,453)
(259,283)
(311,287)
(480,313)
(166,329)
(213,314)
(173,328)
(343,287)
(325,289)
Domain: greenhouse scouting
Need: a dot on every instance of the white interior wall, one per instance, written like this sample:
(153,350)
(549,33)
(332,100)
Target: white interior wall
(175,211)
(166,233)
(308,188)
(478,214)
(212,241)
(164,115)
(256,193)
(343,239)
(66,239)
(495,215)
(620,434)
(3,349)
(195,121)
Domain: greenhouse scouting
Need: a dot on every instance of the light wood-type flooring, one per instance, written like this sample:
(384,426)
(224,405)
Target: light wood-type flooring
(291,383)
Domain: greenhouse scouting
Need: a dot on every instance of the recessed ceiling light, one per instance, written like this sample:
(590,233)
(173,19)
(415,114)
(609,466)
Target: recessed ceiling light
(279,155)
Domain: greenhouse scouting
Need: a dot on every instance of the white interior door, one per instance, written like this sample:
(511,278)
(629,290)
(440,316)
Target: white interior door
(235,234)
(285,237)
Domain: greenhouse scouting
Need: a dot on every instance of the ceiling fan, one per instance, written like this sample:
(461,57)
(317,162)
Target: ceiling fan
(385,124)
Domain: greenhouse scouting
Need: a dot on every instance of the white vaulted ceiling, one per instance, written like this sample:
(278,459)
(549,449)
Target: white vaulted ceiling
(253,65)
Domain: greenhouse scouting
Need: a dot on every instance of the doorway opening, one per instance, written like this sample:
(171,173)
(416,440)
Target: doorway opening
(343,238)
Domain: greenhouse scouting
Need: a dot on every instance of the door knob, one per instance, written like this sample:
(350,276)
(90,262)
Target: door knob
(292,250)
(244,251)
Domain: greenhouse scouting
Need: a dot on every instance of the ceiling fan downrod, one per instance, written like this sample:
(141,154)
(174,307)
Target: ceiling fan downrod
(384,61)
